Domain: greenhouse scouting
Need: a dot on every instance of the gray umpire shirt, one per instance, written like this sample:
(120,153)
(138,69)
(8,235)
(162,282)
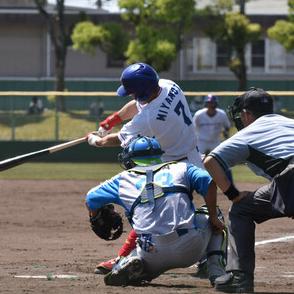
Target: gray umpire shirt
(266,145)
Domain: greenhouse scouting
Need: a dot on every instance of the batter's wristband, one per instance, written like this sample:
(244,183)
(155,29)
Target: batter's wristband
(111,121)
(232,192)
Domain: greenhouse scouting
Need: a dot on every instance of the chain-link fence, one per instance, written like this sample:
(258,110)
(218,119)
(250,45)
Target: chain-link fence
(35,116)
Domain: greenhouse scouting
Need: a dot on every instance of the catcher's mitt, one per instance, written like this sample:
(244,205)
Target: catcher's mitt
(107,224)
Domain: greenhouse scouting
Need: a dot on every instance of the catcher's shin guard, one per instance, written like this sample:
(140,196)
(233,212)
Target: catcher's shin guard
(216,252)
(217,256)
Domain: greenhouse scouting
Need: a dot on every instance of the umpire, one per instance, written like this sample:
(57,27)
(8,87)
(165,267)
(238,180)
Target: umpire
(265,142)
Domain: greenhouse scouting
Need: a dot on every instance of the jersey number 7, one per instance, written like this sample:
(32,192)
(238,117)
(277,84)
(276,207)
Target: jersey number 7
(180,110)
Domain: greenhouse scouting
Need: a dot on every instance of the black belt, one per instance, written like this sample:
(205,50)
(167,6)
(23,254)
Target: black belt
(182,232)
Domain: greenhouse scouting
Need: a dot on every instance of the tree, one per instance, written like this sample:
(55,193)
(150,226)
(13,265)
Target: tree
(110,37)
(60,34)
(235,31)
(60,38)
(156,34)
(99,3)
(159,27)
(283,30)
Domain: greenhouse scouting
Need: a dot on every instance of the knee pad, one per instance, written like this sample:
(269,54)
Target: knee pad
(203,210)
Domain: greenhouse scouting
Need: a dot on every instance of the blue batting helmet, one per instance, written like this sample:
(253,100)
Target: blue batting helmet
(211,98)
(141,151)
(139,79)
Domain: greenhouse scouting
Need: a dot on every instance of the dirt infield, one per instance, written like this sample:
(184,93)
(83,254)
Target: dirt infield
(45,232)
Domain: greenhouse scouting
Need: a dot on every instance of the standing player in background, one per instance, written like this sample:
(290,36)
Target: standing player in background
(159,109)
(210,122)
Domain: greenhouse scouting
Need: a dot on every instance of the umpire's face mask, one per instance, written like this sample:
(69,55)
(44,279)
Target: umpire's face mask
(234,113)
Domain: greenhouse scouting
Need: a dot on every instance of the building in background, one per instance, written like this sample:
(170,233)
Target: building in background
(26,52)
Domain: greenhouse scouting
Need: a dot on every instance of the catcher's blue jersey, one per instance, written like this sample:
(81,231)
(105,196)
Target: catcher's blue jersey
(163,213)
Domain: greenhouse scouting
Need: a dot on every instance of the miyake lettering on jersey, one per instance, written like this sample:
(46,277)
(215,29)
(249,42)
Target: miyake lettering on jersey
(165,106)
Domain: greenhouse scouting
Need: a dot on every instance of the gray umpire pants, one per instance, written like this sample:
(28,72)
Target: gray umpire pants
(271,201)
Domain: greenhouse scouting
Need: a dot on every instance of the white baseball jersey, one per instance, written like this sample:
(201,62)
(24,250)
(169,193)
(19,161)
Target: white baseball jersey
(168,219)
(169,120)
(166,212)
(209,128)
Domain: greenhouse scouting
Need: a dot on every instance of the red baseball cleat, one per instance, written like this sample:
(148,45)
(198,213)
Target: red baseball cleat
(105,267)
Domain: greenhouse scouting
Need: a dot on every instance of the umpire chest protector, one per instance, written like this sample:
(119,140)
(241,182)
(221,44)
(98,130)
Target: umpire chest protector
(155,182)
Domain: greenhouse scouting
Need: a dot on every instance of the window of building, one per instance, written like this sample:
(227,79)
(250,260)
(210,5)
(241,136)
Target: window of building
(290,62)
(203,55)
(222,55)
(258,54)
(261,56)
(275,57)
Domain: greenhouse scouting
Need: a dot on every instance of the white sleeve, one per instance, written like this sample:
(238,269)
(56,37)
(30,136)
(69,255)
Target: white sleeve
(132,129)
(225,119)
(196,121)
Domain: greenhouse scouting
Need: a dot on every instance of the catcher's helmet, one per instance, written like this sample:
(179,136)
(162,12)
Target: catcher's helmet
(211,98)
(141,151)
(139,79)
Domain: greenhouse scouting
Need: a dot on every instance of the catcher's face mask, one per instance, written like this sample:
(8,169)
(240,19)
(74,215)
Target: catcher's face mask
(234,112)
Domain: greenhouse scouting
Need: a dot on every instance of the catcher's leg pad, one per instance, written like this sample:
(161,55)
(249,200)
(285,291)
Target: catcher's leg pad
(128,271)
(216,252)
(217,255)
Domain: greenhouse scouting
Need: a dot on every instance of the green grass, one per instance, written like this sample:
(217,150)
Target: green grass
(93,171)
(71,125)
(62,171)
(243,174)
(42,127)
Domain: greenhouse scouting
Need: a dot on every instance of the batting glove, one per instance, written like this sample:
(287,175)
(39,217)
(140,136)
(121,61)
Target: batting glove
(93,140)
(111,121)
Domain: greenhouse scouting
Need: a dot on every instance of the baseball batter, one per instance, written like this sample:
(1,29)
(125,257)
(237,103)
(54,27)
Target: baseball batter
(159,109)
(266,143)
(210,122)
(157,199)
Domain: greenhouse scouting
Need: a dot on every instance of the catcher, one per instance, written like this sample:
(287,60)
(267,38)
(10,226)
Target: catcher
(157,198)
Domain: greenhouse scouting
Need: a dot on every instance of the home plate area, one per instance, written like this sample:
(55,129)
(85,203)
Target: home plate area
(47,246)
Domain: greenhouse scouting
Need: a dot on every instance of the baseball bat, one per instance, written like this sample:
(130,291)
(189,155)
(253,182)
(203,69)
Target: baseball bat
(17,160)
